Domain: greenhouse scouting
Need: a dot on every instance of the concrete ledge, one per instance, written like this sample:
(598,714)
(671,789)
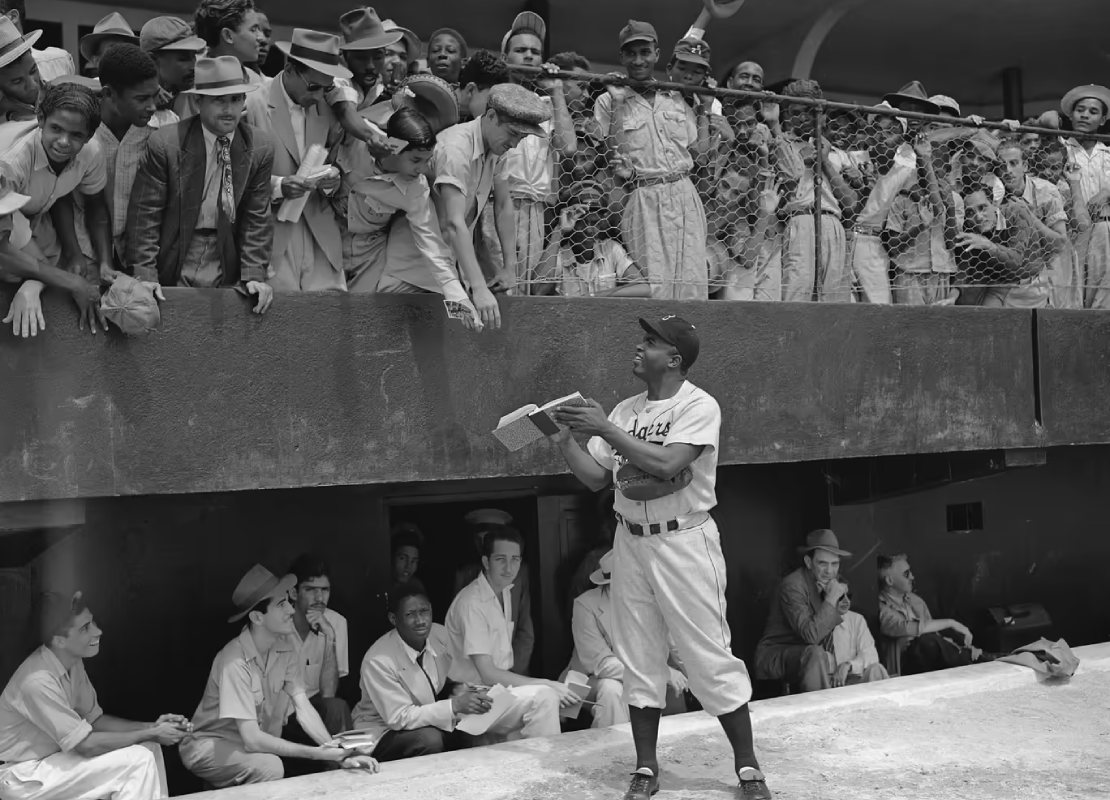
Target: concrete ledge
(537,768)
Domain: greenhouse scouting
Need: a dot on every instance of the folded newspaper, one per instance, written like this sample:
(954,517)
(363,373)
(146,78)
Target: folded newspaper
(361,740)
(530,423)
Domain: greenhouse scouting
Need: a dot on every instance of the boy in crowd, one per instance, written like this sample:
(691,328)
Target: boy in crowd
(200,209)
(55,741)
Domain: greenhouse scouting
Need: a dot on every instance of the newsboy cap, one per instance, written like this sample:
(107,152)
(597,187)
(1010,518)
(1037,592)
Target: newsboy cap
(520,108)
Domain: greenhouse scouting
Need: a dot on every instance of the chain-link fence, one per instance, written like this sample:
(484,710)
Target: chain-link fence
(682,192)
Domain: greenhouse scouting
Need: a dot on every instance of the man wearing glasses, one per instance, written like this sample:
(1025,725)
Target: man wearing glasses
(926,644)
(308,247)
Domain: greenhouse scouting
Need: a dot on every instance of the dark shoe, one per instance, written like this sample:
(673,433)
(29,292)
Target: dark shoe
(754,787)
(644,785)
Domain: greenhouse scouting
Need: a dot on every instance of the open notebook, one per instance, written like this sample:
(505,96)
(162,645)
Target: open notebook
(530,423)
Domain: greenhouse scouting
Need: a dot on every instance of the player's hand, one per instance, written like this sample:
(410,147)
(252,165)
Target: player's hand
(265,294)
(25,312)
(562,436)
(840,677)
(488,310)
(590,418)
(567,697)
(471,700)
(366,763)
(677,681)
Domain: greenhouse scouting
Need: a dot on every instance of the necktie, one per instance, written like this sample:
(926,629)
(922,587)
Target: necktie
(420,663)
(227,190)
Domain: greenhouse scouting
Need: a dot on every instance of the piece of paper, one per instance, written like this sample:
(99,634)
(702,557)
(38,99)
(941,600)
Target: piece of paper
(361,740)
(291,210)
(580,685)
(457,310)
(477,724)
(530,423)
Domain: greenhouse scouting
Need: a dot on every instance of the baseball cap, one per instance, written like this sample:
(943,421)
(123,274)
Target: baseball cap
(944,102)
(693,50)
(522,109)
(526,22)
(131,306)
(169,33)
(678,333)
(636,31)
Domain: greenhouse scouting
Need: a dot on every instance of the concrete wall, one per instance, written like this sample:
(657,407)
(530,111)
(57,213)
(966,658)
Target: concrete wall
(333,390)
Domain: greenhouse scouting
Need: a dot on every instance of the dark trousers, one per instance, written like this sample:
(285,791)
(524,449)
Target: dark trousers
(336,715)
(804,666)
(933,651)
(395,745)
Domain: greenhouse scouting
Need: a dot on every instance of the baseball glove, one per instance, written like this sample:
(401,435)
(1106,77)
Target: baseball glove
(635,484)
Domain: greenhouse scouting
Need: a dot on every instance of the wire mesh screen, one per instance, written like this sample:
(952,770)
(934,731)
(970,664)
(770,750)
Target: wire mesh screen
(680,193)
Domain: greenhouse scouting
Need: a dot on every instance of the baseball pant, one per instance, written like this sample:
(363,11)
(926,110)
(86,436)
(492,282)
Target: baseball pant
(130,773)
(675,582)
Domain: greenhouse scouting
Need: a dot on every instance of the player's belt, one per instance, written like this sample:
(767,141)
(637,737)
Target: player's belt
(650,529)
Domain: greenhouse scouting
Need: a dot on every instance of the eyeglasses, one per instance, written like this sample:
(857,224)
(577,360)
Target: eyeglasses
(312,88)
(907,574)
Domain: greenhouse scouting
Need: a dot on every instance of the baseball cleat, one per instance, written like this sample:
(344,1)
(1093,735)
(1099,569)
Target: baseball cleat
(753,786)
(644,785)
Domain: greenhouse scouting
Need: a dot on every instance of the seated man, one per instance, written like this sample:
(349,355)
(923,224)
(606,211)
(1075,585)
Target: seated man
(925,644)
(481,521)
(254,679)
(320,636)
(853,648)
(479,624)
(797,641)
(55,742)
(407,700)
(593,654)
(200,208)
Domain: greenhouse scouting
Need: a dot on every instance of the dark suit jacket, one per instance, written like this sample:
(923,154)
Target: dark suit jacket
(166,199)
(798,614)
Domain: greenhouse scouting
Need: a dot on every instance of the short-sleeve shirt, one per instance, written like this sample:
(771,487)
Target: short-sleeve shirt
(655,135)
(928,252)
(527,169)
(691,417)
(311,651)
(28,170)
(1046,200)
(478,624)
(1094,167)
(45,709)
(241,685)
(609,268)
(460,160)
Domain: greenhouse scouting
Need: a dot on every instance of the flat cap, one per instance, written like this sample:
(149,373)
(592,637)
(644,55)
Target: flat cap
(169,33)
(522,108)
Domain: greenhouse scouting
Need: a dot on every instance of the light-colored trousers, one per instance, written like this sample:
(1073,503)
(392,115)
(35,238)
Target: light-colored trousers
(1094,253)
(529,240)
(799,261)
(535,713)
(130,773)
(664,231)
(870,265)
(675,582)
(226,762)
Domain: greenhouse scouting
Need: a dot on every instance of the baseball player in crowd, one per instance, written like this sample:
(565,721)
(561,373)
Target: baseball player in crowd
(659,448)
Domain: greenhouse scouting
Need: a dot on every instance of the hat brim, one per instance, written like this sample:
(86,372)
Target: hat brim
(284,586)
(13,201)
(194,43)
(690,59)
(374,42)
(1067,105)
(836,551)
(652,329)
(642,37)
(927,106)
(88,43)
(446,106)
(28,42)
(599,578)
(525,128)
(334,70)
(223,91)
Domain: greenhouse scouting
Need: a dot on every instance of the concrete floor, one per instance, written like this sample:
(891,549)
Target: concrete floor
(987,732)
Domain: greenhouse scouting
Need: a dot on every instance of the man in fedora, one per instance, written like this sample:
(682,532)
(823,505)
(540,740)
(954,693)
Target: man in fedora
(55,741)
(377,58)
(797,641)
(20,83)
(112,29)
(308,251)
(200,208)
(175,48)
(1087,108)
(52,62)
(255,682)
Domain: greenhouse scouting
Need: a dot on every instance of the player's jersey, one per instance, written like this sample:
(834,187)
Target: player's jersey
(690,417)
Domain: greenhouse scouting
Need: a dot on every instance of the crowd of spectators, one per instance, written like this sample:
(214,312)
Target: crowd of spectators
(201,153)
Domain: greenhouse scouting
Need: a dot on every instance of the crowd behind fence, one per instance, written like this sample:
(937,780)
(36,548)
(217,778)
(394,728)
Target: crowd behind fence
(893,206)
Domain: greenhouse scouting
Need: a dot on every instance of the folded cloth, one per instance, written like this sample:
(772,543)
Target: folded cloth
(1052,659)
(131,306)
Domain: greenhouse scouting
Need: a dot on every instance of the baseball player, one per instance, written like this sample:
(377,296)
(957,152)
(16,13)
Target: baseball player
(659,448)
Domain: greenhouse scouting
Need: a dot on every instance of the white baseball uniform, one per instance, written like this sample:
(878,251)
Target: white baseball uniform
(673,580)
